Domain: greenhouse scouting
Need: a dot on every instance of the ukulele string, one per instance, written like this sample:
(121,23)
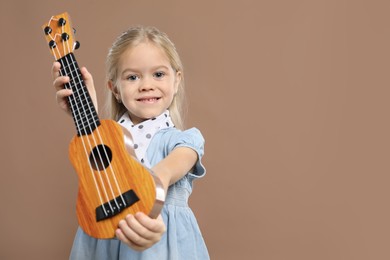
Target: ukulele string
(74,109)
(72,83)
(105,155)
(101,141)
(94,156)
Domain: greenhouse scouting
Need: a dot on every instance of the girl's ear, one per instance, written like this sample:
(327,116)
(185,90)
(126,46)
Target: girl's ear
(177,81)
(113,89)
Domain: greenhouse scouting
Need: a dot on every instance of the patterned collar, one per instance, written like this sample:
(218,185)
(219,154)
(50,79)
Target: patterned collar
(143,132)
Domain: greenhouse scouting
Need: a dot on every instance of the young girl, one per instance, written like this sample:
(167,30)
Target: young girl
(145,79)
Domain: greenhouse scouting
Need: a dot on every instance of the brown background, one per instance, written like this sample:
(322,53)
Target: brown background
(292,98)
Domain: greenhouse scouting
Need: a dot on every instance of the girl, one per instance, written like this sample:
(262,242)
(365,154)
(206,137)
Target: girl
(145,79)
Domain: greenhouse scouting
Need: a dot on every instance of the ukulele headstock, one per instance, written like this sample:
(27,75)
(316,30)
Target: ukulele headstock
(59,34)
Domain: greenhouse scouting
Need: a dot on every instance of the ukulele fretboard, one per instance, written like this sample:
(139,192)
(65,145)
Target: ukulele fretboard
(80,102)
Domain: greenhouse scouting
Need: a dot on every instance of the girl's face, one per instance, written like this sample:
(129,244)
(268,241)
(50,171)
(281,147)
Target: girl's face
(146,82)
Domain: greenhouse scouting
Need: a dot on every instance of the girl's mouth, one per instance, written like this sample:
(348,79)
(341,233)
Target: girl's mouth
(148,100)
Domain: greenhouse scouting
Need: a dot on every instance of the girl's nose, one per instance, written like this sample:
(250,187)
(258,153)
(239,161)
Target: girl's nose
(146,84)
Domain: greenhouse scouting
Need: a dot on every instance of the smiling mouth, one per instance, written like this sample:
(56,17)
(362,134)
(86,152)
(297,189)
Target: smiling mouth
(148,100)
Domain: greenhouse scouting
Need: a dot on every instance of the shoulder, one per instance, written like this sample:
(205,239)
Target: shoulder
(172,138)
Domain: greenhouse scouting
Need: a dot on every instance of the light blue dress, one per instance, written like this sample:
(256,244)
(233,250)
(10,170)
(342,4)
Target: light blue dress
(183,239)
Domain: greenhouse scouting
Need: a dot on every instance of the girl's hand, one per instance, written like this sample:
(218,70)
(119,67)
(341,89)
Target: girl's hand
(62,93)
(140,231)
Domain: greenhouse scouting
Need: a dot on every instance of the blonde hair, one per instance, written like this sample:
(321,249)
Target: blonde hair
(129,39)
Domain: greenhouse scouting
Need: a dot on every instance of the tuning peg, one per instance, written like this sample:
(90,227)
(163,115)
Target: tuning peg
(65,36)
(47,30)
(52,44)
(76,45)
(61,22)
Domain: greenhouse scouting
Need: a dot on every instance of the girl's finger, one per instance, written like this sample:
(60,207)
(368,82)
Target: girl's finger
(60,81)
(128,235)
(154,225)
(61,97)
(55,71)
(122,237)
(63,93)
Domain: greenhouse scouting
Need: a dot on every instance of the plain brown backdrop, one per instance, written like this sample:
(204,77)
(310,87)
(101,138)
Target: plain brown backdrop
(292,98)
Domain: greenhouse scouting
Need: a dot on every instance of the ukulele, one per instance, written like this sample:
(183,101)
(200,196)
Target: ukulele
(112,183)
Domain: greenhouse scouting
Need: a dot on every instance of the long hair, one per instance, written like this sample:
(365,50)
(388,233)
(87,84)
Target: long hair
(129,39)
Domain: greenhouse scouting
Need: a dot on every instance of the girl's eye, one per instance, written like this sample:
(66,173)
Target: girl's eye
(159,74)
(132,77)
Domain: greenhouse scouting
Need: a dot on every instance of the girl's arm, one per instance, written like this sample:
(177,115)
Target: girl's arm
(177,164)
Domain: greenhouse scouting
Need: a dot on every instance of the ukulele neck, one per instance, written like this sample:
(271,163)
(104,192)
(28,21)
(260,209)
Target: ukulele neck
(83,110)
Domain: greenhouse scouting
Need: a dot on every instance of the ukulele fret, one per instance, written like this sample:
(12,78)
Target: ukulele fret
(66,66)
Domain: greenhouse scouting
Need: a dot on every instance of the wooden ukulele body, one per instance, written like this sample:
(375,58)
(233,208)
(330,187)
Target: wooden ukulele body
(123,169)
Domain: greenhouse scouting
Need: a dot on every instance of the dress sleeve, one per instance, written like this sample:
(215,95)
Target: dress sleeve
(193,139)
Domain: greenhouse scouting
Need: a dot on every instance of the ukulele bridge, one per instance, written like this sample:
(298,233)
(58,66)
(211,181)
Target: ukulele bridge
(110,209)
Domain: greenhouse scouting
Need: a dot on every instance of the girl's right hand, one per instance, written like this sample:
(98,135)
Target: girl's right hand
(62,93)
(140,231)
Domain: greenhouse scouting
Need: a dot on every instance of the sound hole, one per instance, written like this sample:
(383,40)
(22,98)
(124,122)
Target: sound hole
(100,157)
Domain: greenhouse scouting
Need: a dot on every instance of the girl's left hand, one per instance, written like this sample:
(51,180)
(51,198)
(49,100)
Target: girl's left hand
(139,231)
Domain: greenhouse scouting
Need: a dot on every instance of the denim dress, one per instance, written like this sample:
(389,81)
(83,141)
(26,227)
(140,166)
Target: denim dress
(183,239)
